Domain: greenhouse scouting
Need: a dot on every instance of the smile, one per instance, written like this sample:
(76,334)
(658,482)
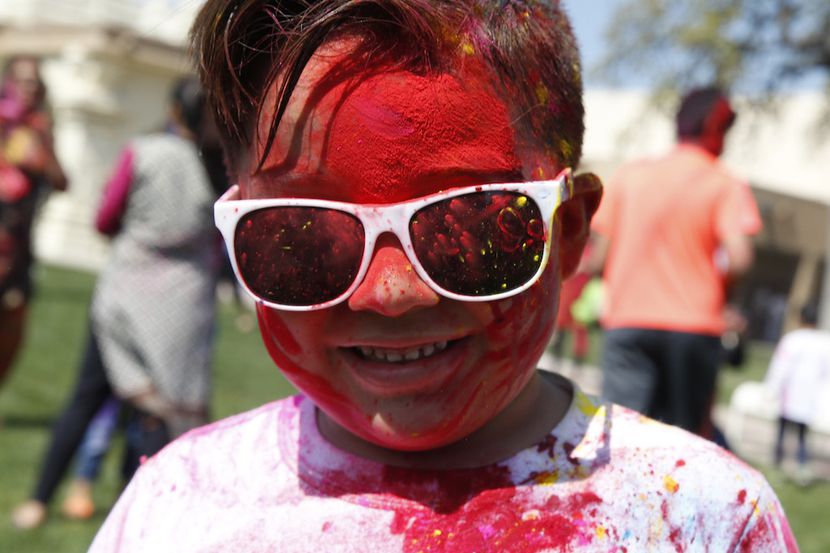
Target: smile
(394,371)
(400,355)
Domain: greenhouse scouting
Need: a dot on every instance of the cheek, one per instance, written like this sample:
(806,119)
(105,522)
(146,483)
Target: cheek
(521,326)
(296,348)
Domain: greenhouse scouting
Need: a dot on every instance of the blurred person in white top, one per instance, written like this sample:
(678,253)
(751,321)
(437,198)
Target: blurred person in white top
(798,376)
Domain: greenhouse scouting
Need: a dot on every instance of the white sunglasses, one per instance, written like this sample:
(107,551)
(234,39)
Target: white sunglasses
(475,243)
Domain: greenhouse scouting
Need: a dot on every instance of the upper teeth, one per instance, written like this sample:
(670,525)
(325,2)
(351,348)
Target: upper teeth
(398,355)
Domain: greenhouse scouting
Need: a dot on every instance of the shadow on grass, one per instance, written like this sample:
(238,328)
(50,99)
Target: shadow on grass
(27,421)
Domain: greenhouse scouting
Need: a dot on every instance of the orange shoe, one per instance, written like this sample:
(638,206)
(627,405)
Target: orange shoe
(78,504)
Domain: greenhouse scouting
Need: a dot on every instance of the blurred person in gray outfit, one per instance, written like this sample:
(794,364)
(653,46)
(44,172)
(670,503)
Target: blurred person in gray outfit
(150,340)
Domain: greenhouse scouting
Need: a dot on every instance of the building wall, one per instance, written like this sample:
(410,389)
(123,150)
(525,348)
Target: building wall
(108,65)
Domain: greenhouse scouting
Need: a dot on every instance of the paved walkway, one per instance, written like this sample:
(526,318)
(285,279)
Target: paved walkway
(751,437)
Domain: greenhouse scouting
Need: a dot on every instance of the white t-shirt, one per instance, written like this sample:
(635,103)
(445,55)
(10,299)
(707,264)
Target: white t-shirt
(606,479)
(799,373)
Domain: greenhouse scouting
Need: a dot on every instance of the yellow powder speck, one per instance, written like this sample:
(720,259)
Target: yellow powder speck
(532,514)
(585,405)
(547,478)
(437,533)
(602,532)
(521,201)
(542,93)
(566,148)
(670,484)
(468,49)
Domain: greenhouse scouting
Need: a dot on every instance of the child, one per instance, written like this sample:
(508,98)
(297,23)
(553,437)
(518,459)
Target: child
(798,376)
(408,293)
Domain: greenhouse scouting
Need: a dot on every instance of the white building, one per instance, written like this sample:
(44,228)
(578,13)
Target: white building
(109,64)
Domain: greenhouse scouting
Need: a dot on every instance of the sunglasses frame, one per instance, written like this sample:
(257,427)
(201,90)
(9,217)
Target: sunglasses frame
(395,218)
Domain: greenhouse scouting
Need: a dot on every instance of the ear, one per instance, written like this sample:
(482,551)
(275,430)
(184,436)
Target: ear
(574,217)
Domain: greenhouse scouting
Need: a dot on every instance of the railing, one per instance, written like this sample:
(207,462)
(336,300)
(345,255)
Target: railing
(166,20)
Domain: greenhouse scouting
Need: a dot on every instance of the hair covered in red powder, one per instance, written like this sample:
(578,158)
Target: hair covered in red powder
(527,47)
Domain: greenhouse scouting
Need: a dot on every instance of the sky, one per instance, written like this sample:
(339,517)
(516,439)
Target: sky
(590,18)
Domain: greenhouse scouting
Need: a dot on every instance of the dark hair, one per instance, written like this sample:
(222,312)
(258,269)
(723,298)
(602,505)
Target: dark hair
(243,46)
(697,106)
(188,95)
(809,314)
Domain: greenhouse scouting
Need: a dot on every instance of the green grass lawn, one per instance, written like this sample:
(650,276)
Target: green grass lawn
(244,378)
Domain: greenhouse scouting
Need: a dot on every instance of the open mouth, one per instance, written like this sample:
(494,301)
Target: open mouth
(401,355)
(394,371)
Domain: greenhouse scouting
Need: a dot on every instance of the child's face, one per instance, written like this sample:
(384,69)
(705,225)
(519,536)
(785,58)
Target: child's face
(25,82)
(385,138)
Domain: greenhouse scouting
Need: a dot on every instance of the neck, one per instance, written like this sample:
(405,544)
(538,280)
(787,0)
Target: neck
(703,144)
(526,421)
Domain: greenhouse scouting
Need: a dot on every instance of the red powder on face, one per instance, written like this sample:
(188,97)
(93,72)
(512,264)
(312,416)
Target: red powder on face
(741,496)
(387,137)
(283,349)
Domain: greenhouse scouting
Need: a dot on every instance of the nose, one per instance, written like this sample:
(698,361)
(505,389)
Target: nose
(391,286)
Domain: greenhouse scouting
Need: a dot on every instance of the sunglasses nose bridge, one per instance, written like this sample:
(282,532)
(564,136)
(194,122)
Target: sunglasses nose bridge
(379,220)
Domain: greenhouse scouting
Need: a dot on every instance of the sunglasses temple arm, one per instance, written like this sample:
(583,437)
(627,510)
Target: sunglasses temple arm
(230,194)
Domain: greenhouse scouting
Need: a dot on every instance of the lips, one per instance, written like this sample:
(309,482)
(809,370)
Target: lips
(414,369)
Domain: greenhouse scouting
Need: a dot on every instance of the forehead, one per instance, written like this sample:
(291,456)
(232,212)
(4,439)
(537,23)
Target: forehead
(386,135)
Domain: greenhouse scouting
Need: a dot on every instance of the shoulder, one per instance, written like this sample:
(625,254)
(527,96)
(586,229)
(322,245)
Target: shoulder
(680,466)
(668,445)
(229,452)
(805,338)
(230,466)
(697,488)
(631,170)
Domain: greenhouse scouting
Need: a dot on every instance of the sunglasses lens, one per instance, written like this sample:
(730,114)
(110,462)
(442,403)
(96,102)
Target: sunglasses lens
(298,256)
(480,244)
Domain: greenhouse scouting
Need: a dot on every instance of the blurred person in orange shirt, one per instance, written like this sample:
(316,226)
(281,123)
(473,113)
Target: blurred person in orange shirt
(28,167)
(671,234)
(566,322)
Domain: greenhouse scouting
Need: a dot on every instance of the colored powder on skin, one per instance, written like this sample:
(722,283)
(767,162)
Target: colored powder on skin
(417,125)
(274,333)
(413,122)
(278,331)
(741,496)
